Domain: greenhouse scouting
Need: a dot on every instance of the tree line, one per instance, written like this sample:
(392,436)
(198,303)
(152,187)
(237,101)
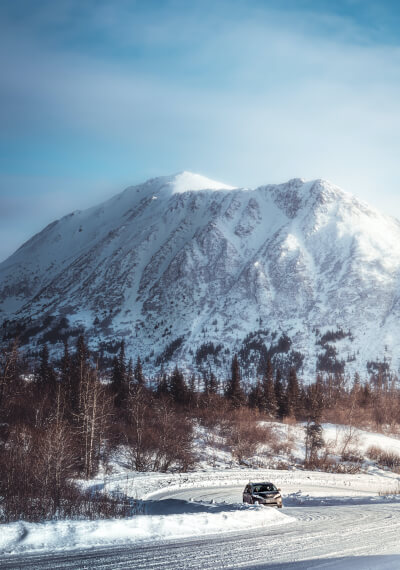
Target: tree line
(61,420)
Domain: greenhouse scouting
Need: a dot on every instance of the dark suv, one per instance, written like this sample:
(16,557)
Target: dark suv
(262,494)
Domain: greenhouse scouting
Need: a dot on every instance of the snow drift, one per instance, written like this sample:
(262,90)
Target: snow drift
(20,536)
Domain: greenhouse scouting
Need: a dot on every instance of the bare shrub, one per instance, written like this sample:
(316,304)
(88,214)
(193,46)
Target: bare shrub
(374,452)
(280,465)
(390,491)
(290,421)
(282,445)
(214,411)
(324,456)
(214,440)
(35,467)
(383,458)
(352,456)
(174,439)
(156,436)
(324,463)
(138,434)
(350,442)
(244,434)
(348,468)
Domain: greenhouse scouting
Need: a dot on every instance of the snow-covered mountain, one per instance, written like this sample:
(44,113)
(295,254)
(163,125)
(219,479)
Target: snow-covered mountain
(181,261)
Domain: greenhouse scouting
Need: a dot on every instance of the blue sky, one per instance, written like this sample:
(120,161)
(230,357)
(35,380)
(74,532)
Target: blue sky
(97,95)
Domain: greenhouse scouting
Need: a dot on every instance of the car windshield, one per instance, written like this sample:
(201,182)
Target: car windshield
(266,488)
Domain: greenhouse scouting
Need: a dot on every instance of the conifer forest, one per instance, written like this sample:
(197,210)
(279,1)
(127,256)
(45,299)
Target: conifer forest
(73,413)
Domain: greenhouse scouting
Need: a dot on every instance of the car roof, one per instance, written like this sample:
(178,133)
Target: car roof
(261,483)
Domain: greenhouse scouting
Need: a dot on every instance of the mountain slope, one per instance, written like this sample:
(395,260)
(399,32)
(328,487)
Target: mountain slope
(187,258)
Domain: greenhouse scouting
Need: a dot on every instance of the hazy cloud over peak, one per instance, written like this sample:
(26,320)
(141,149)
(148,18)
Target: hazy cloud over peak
(249,92)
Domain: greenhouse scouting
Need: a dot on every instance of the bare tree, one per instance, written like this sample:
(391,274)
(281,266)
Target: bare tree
(138,435)
(91,419)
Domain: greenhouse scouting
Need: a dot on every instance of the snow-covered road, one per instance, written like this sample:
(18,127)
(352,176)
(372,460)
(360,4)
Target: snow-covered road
(328,533)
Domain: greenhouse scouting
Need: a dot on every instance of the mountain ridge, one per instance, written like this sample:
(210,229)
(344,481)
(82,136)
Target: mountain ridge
(161,261)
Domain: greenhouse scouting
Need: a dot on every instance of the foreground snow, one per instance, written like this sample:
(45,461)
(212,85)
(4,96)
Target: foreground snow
(20,536)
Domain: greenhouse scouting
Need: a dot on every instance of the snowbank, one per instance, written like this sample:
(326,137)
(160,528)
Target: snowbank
(22,537)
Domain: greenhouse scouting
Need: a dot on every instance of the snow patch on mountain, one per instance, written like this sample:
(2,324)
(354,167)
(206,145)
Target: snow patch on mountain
(188,181)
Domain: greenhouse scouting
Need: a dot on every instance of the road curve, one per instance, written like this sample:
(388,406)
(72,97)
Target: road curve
(367,536)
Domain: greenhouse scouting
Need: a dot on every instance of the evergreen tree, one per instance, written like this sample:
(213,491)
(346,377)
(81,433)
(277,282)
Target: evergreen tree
(70,398)
(178,387)
(314,400)
(138,373)
(122,360)
(162,385)
(119,381)
(280,398)
(320,388)
(256,396)
(205,383)
(130,374)
(338,388)
(313,442)
(46,376)
(269,403)
(234,391)
(356,388)
(213,384)
(65,367)
(366,395)
(81,355)
(9,377)
(292,394)
(79,371)
(192,393)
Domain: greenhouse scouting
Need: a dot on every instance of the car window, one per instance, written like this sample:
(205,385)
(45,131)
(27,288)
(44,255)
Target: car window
(264,488)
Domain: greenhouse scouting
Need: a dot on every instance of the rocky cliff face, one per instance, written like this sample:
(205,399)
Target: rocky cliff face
(181,261)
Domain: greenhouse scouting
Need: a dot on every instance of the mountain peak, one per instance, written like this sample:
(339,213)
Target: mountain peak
(319,191)
(186,181)
(189,181)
